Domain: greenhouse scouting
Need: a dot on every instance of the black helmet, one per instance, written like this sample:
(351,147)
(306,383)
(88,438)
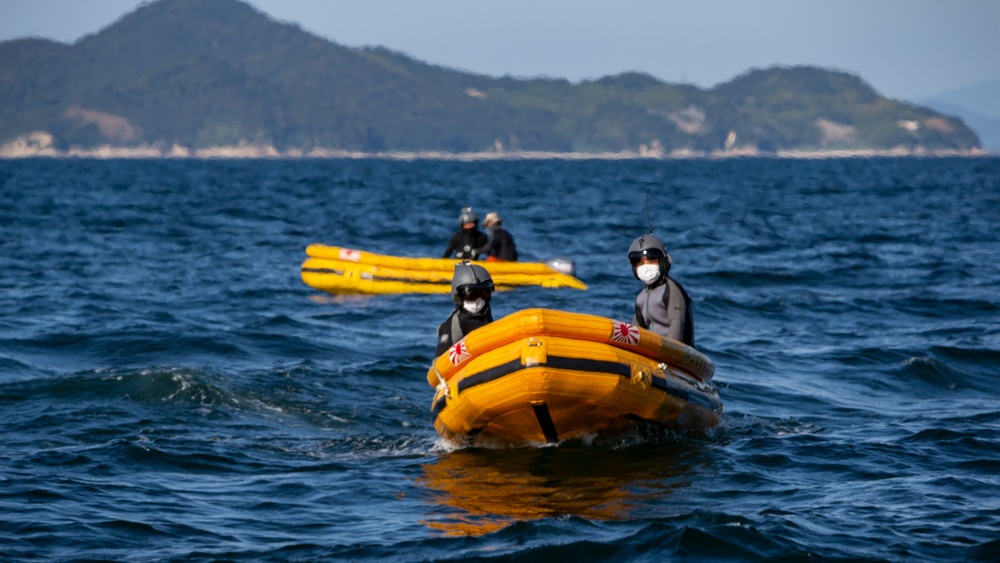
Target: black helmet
(649,246)
(467,216)
(470,281)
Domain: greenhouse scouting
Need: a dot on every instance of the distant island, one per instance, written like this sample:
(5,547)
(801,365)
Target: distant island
(219,79)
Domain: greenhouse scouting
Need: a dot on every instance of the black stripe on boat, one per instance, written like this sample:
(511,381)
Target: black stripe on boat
(545,421)
(700,399)
(490,374)
(583,364)
(500,286)
(578,364)
(367,276)
(323,271)
(439,406)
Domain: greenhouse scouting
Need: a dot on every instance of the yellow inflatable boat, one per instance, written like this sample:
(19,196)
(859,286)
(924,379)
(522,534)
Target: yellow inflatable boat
(541,376)
(336,269)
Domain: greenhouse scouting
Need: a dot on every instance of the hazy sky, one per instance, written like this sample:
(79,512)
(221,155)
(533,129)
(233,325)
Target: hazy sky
(906,49)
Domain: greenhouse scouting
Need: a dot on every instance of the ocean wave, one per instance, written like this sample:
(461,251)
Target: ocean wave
(171,390)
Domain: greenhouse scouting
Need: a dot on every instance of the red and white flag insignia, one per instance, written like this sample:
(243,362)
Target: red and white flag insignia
(458,353)
(625,333)
(350,255)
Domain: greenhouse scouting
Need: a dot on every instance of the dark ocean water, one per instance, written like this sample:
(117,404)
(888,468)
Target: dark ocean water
(170,390)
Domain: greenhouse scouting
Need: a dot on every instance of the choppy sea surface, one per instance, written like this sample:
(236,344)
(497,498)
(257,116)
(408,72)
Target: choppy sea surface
(170,390)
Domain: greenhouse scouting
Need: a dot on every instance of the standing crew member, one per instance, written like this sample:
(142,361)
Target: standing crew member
(472,291)
(501,243)
(662,306)
(468,242)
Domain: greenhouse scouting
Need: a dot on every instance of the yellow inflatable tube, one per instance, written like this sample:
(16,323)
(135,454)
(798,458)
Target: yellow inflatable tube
(407,263)
(344,270)
(544,376)
(577,326)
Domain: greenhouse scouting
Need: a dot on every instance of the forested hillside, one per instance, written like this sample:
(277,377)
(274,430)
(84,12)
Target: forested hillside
(209,73)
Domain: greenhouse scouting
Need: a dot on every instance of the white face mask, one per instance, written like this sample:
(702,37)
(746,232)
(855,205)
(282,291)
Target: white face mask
(474,306)
(648,273)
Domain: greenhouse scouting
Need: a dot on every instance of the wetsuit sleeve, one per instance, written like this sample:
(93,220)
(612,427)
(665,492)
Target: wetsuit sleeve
(502,246)
(688,318)
(491,247)
(676,312)
(452,245)
(480,246)
(637,319)
(444,337)
(509,251)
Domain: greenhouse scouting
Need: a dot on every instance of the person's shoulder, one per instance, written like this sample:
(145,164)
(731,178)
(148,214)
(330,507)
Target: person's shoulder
(447,319)
(680,288)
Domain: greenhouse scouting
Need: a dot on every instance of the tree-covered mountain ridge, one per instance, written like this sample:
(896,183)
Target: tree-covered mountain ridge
(218,78)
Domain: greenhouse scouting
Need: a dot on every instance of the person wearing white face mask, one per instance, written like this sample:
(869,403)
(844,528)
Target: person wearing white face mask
(471,290)
(662,306)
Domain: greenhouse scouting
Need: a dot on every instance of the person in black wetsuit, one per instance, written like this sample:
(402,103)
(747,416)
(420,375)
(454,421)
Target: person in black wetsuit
(469,242)
(663,306)
(472,291)
(501,243)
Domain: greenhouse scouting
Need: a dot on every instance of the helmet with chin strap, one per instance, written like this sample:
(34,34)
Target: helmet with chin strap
(649,246)
(470,281)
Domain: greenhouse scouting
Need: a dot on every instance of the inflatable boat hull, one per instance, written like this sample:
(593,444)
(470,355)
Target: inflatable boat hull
(542,376)
(343,270)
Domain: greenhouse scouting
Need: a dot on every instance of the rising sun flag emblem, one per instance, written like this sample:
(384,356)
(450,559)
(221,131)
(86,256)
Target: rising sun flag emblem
(458,353)
(625,333)
(350,255)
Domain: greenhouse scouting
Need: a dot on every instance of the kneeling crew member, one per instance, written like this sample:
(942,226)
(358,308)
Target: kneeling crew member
(501,243)
(471,290)
(468,242)
(662,306)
